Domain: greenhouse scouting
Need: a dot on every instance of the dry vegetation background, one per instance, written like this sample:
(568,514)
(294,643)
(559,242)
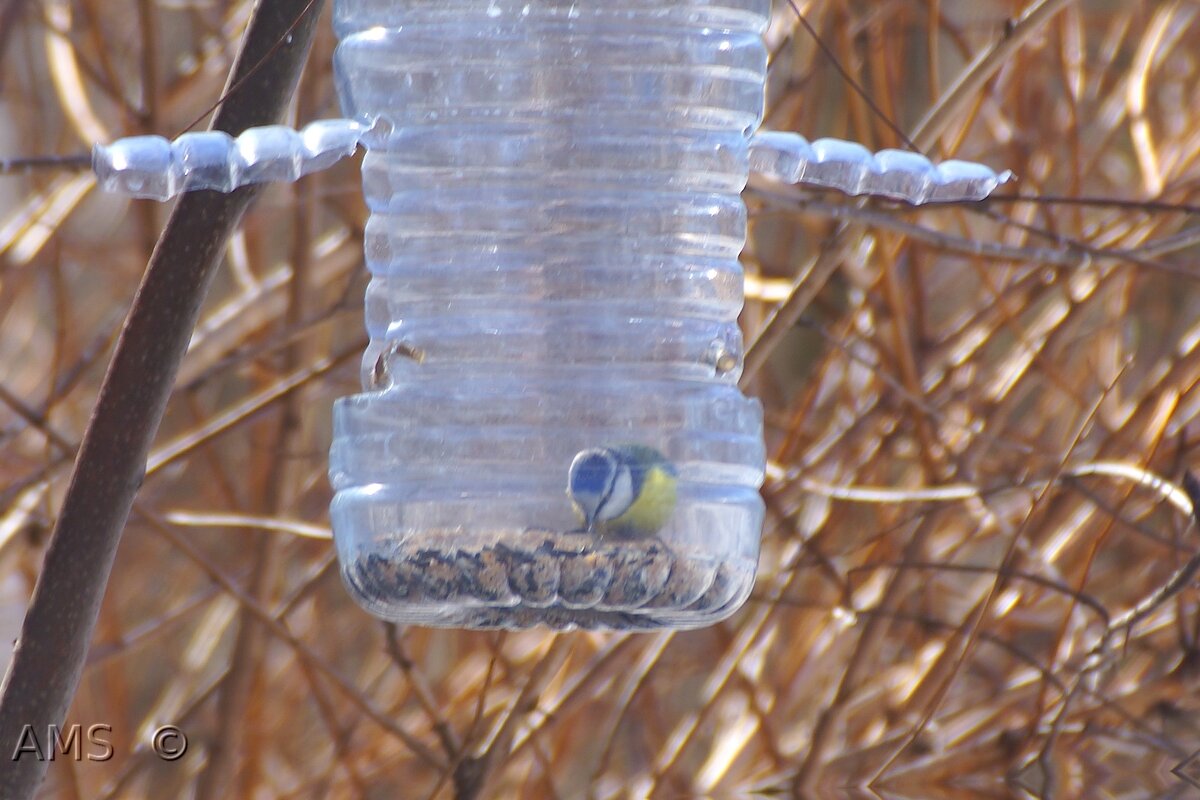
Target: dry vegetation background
(1028,359)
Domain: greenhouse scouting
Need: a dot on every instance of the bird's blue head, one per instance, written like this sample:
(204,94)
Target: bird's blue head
(600,485)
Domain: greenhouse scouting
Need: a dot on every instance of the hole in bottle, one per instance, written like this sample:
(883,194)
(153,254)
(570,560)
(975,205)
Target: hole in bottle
(381,372)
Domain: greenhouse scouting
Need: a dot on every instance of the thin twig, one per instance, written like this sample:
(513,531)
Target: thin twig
(981,70)
(424,693)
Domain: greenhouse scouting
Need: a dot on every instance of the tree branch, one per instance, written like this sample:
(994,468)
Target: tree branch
(109,469)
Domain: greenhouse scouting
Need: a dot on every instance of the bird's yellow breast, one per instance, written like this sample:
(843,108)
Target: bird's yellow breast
(650,511)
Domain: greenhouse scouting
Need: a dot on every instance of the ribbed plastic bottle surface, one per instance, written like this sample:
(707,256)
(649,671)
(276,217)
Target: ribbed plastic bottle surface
(554,188)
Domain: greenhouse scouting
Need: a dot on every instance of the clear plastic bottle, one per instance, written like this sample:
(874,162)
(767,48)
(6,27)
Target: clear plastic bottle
(554,188)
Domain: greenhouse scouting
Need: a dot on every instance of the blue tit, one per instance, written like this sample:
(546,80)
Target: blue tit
(627,491)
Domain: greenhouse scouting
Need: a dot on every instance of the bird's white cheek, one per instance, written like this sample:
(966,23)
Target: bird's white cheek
(619,499)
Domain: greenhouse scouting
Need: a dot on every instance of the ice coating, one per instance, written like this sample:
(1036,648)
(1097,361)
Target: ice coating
(851,168)
(156,168)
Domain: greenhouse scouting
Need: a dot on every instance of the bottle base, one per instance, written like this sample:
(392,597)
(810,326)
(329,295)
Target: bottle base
(529,578)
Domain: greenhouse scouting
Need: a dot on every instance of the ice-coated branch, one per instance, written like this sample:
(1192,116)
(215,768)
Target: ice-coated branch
(158,169)
(855,170)
(155,168)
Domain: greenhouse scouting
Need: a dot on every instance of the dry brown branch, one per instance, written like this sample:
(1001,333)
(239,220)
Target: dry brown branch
(45,669)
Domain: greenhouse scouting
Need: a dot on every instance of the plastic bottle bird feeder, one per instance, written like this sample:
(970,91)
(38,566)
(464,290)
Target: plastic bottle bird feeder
(550,430)
(554,188)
